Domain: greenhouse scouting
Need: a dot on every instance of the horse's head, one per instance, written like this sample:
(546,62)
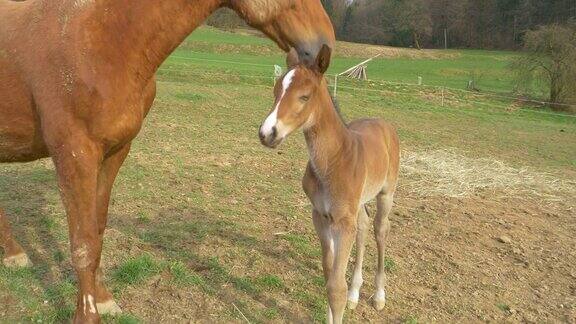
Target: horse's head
(301,24)
(298,96)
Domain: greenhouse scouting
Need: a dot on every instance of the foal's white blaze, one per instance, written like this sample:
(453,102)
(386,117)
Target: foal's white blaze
(272,119)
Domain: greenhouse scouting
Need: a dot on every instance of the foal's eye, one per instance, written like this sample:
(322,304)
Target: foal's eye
(304,98)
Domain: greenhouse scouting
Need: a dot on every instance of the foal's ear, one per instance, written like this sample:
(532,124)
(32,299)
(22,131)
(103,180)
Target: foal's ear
(323,59)
(293,59)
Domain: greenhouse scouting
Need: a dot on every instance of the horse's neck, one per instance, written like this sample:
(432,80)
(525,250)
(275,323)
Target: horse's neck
(328,139)
(141,34)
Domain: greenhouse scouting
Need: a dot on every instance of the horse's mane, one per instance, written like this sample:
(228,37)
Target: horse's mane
(337,108)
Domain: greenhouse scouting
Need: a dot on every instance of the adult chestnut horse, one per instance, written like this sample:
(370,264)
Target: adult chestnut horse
(77,80)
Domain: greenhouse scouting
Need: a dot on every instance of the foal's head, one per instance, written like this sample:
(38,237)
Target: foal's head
(297,98)
(302,24)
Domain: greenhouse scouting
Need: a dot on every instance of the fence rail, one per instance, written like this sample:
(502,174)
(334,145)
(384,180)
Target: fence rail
(443,91)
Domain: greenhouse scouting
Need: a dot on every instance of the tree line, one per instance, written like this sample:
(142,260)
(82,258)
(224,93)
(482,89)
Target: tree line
(485,24)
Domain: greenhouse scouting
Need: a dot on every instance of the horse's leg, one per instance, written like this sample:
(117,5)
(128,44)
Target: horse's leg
(77,159)
(354,292)
(381,230)
(322,227)
(14,255)
(106,177)
(343,232)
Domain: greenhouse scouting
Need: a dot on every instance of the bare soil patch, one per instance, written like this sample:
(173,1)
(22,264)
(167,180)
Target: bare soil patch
(345,49)
(471,242)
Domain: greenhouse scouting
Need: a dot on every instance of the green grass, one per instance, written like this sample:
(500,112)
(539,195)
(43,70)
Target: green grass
(199,199)
(127,319)
(215,36)
(182,275)
(389,264)
(503,307)
(302,245)
(270,282)
(136,270)
(491,75)
(316,304)
(489,68)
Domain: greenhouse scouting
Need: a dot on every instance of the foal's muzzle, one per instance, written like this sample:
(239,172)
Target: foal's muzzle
(270,140)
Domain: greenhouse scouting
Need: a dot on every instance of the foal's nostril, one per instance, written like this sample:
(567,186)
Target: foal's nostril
(274,132)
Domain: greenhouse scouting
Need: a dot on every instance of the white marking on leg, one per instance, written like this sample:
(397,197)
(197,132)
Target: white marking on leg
(354,292)
(272,119)
(84,303)
(91,304)
(380,295)
(330,236)
(357,279)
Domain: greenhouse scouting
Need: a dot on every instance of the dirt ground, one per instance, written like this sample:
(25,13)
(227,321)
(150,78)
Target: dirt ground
(472,240)
(484,258)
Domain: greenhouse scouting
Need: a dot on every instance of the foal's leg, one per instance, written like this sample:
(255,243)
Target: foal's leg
(344,231)
(322,226)
(354,292)
(104,300)
(77,160)
(14,255)
(381,230)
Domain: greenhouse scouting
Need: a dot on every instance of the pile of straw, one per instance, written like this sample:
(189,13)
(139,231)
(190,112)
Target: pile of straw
(447,173)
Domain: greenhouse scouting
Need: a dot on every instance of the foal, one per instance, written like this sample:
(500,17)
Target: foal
(349,166)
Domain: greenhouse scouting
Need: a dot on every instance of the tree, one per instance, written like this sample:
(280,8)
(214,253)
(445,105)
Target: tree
(414,19)
(469,23)
(549,60)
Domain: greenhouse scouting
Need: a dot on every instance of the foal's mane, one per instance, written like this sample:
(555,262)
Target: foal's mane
(336,106)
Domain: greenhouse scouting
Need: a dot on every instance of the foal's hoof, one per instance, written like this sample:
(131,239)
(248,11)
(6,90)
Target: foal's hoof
(17,261)
(352,304)
(108,308)
(379,304)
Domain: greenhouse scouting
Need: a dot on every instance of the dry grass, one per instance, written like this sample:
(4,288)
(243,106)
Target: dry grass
(345,49)
(349,50)
(447,173)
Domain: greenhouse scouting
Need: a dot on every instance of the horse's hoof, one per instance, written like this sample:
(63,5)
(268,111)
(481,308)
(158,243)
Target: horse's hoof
(17,261)
(108,308)
(379,304)
(352,304)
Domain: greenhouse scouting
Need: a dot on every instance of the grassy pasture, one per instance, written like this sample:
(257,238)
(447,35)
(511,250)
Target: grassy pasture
(208,226)
(452,68)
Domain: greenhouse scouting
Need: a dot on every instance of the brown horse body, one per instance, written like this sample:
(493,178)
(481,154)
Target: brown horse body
(76,82)
(349,166)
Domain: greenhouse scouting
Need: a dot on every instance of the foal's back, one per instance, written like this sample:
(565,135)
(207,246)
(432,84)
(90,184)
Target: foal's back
(381,152)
